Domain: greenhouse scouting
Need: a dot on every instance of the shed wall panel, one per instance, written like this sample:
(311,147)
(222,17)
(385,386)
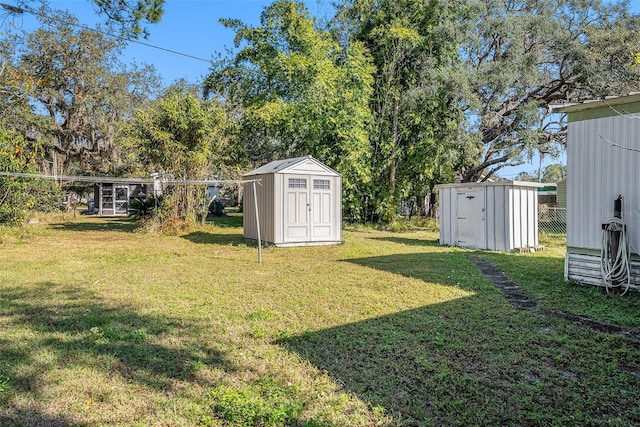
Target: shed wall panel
(265,192)
(447,209)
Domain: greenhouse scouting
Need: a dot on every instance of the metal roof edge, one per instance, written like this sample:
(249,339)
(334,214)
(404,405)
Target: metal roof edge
(595,103)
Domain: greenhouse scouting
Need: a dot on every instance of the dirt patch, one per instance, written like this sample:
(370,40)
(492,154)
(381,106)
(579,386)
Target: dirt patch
(518,298)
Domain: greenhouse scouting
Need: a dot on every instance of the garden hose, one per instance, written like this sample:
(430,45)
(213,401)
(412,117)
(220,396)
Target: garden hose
(614,268)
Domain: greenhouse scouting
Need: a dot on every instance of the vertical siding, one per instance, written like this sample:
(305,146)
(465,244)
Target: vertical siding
(498,221)
(597,173)
(336,188)
(266,212)
(448,212)
(562,194)
(277,183)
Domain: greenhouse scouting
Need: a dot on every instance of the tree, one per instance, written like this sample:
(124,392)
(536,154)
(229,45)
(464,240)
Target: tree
(76,93)
(414,106)
(18,196)
(554,173)
(522,55)
(128,15)
(298,92)
(183,137)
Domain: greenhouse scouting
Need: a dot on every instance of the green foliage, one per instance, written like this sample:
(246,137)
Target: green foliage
(554,173)
(182,137)
(65,89)
(520,56)
(18,196)
(130,14)
(265,403)
(414,108)
(300,93)
(144,207)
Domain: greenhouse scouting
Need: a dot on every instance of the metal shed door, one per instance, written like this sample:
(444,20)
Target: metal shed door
(471,213)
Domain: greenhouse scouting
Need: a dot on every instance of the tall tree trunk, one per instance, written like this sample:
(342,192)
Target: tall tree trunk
(393,167)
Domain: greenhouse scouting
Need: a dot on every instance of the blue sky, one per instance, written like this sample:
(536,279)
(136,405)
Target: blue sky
(192,27)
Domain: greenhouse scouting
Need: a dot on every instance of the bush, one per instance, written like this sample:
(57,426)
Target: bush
(20,196)
(144,207)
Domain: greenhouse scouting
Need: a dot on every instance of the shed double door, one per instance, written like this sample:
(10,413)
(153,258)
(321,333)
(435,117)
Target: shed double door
(308,207)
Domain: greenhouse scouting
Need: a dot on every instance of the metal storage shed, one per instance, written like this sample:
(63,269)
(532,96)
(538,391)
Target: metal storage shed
(500,216)
(299,203)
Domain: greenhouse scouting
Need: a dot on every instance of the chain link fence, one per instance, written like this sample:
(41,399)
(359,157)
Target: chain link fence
(552,222)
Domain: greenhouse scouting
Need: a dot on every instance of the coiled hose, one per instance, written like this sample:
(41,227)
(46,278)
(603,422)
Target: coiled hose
(614,268)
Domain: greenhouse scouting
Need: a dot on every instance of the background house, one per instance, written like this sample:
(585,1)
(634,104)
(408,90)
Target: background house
(112,198)
(299,203)
(603,156)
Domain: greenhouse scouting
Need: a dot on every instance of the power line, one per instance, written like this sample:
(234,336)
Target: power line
(18,10)
(626,115)
(117,180)
(618,145)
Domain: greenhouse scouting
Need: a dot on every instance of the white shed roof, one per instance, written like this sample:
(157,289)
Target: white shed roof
(299,165)
(492,184)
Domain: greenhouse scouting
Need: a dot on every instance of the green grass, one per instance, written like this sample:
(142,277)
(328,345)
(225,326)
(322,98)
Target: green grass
(102,324)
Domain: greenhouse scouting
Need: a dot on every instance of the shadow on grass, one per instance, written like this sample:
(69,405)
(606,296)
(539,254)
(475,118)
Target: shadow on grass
(229,220)
(80,332)
(214,238)
(408,242)
(126,225)
(473,360)
(444,268)
(35,418)
(542,277)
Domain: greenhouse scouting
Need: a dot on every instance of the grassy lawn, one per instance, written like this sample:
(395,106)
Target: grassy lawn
(103,325)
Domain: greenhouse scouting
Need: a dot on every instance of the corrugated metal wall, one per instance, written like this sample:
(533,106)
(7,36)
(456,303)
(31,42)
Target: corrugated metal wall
(586,269)
(523,230)
(448,208)
(597,173)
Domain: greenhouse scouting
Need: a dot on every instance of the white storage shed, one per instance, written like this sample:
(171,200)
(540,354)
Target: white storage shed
(499,216)
(299,203)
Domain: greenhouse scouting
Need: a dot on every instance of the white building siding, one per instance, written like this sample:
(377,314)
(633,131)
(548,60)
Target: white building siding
(598,173)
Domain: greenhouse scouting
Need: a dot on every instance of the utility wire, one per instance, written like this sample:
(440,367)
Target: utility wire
(116,180)
(618,145)
(626,115)
(18,10)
